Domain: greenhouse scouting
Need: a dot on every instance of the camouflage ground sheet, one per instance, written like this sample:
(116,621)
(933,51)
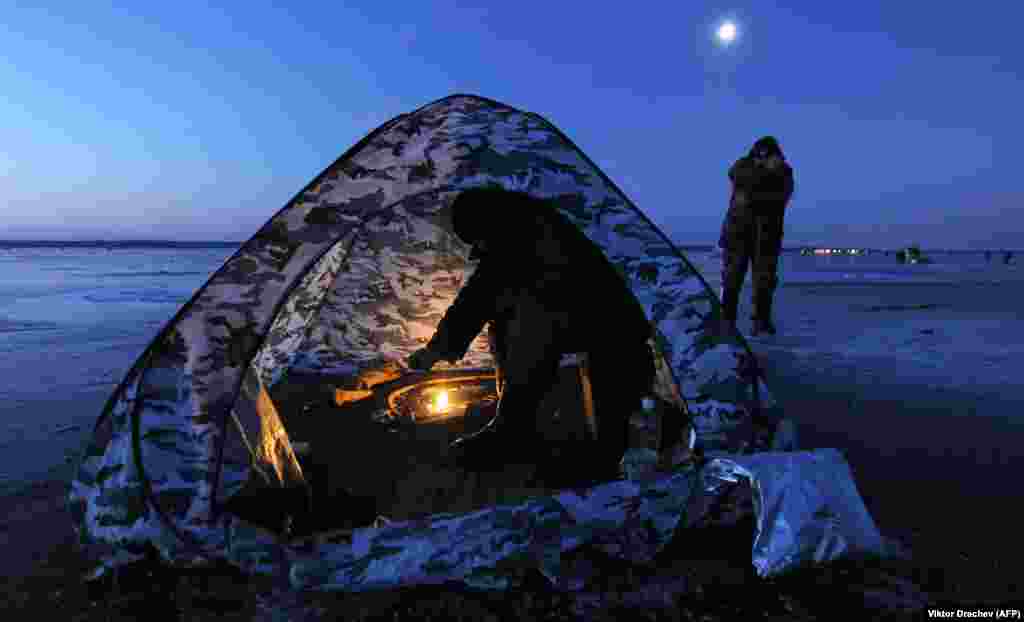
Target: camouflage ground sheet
(805,504)
(355,271)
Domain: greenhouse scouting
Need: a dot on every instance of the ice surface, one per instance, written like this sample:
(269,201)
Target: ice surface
(72,321)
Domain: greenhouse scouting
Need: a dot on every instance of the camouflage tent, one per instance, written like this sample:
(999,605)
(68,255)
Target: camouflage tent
(354,271)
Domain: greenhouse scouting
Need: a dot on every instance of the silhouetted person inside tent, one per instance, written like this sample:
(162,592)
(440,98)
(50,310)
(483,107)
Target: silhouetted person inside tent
(546,290)
(762,185)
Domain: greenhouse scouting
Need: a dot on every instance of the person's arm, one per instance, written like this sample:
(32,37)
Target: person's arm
(465,318)
(775,186)
(780,189)
(788,185)
(746,175)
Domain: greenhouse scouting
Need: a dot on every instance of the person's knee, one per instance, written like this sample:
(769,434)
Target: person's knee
(766,278)
(641,370)
(528,365)
(628,369)
(620,383)
(734,267)
(519,404)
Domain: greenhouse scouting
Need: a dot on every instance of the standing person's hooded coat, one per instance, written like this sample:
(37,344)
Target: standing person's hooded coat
(546,290)
(762,185)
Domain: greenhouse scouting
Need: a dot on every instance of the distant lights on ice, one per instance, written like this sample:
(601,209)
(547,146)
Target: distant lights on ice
(835,251)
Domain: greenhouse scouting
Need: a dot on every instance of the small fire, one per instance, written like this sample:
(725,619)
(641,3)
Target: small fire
(441,401)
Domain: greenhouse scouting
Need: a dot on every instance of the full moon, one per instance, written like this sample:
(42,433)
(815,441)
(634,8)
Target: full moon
(727,32)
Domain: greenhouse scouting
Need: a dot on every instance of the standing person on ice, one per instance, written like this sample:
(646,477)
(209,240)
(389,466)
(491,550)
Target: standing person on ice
(762,185)
(546,290)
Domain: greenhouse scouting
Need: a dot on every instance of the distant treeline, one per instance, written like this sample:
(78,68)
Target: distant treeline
(114,244)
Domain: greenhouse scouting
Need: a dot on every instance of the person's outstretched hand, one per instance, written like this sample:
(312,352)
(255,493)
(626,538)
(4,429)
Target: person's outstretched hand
(423,359)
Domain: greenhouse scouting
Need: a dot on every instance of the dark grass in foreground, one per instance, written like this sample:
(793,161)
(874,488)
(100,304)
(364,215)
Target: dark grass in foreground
(685,584)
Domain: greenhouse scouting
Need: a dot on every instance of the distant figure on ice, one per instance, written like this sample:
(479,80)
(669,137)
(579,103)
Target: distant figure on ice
(762,185)
(537,283)
(1008,258)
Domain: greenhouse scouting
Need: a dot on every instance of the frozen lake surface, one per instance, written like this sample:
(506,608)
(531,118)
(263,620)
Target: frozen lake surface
(73,320)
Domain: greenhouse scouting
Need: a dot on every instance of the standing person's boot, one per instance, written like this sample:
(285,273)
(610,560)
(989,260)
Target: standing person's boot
(763,313)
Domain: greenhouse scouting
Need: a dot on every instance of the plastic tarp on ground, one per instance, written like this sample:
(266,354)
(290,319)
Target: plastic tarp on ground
(806,506)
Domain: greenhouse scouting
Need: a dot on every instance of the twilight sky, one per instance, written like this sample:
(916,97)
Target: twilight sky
(177,121)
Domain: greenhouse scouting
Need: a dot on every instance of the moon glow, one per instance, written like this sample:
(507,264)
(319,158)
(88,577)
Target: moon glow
(726,33)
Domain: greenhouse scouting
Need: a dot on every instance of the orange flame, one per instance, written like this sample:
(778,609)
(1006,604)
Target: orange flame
(441,401)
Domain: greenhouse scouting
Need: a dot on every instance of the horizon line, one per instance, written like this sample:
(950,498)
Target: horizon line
(158,243)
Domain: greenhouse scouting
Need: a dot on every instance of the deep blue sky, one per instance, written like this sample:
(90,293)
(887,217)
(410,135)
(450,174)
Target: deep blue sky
(901,119)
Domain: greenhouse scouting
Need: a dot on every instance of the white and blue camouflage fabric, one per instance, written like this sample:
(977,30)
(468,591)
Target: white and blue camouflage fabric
(355,272)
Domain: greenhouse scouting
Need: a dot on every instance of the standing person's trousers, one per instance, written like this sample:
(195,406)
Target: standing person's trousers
(759,244)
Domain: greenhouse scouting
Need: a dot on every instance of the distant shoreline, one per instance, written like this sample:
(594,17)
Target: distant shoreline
(114,244)
(158,244)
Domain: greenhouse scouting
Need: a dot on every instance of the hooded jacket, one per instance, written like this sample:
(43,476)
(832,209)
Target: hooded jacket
(760,195)
(760,188)
(533,250)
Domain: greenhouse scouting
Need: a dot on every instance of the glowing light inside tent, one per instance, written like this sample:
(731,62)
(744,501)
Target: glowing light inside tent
(441,402)
(436,400)
(726,32)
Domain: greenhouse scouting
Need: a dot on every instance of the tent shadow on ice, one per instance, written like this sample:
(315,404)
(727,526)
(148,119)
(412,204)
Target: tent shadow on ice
(339,287)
